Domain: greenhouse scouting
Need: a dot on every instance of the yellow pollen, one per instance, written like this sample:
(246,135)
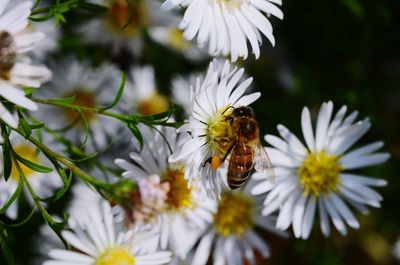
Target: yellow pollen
(155,104)
(235,214)
(179,194)
(84,99)
(7,55)
(219,134)
(120,13)
(29,153)
(176,39)
(319,173)
(116,256)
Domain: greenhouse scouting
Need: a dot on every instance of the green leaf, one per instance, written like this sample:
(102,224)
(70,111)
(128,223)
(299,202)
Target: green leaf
(24,126)
(95,8)
(160,116)
(86,126)
(136,132)
(355,7)
(34,166)
(85,158)
(60,193)
(119,94)
(8,256)
(7,161)
(37,125)
(24,221)
(68,100)
(29,91)
(15,195)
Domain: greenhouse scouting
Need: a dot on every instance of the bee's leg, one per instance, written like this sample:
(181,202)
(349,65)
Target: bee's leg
(229,151)
(230,107)
(208,161)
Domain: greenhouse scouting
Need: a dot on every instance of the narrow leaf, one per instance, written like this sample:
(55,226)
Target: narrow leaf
(95,8)
(15,195)
(7,161)
(34,166)
(136,132)
(119,94)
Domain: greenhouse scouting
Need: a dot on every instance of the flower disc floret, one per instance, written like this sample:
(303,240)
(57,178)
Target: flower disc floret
(319,173)
(116,256)
(179,195)
(126,18)
(7,54)
(235,214)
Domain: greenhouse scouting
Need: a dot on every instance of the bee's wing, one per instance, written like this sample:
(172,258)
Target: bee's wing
(262,163)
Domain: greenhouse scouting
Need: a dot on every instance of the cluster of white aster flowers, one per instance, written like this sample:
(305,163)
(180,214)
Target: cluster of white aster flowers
(149,191)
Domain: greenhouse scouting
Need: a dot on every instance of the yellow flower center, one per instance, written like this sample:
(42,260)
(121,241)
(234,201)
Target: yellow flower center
(84,99)
(179,195)
(153,105)
(219,134)
(121,12)
(116,256)
(29,153)
(231,3)
(235,214)
(7,55)
(176,40)
(319,173)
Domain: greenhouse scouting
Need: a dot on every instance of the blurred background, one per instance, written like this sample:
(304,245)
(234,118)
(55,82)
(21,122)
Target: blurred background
(347,51)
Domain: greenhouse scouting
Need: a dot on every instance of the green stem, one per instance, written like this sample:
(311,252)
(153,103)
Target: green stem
(71,166)
(88,109)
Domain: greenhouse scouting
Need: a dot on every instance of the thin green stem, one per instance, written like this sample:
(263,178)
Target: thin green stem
(71,166)
(88,109)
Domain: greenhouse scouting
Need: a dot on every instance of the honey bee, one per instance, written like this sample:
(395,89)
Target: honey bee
(246,151)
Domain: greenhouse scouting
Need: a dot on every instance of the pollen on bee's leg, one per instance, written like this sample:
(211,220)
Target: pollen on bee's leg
(216,162)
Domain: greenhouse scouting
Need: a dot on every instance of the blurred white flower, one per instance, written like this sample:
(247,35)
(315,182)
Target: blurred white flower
(226,25)
(97,239)
(16,71)
(49,43)
(142,96)
(396,250)
(316,175)
(231,238)
(183,91)
(212,101)
(181,212)
(43,184)
(172,37)
(123,25)
(91,87)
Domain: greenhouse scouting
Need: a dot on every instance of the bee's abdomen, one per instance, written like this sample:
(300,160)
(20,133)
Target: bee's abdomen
(240,166)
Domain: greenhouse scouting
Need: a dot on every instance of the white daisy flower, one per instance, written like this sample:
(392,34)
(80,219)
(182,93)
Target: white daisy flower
(92,87)
(231,236)
(143,96)
(316,176)
(183,212)
(97,239)
(172,37)
(227,25)
(112,28)
(15,70)
(49,43)
(43,184)
(214,98)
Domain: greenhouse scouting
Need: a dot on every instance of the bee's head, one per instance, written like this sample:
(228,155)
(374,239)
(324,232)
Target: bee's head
(244,111)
